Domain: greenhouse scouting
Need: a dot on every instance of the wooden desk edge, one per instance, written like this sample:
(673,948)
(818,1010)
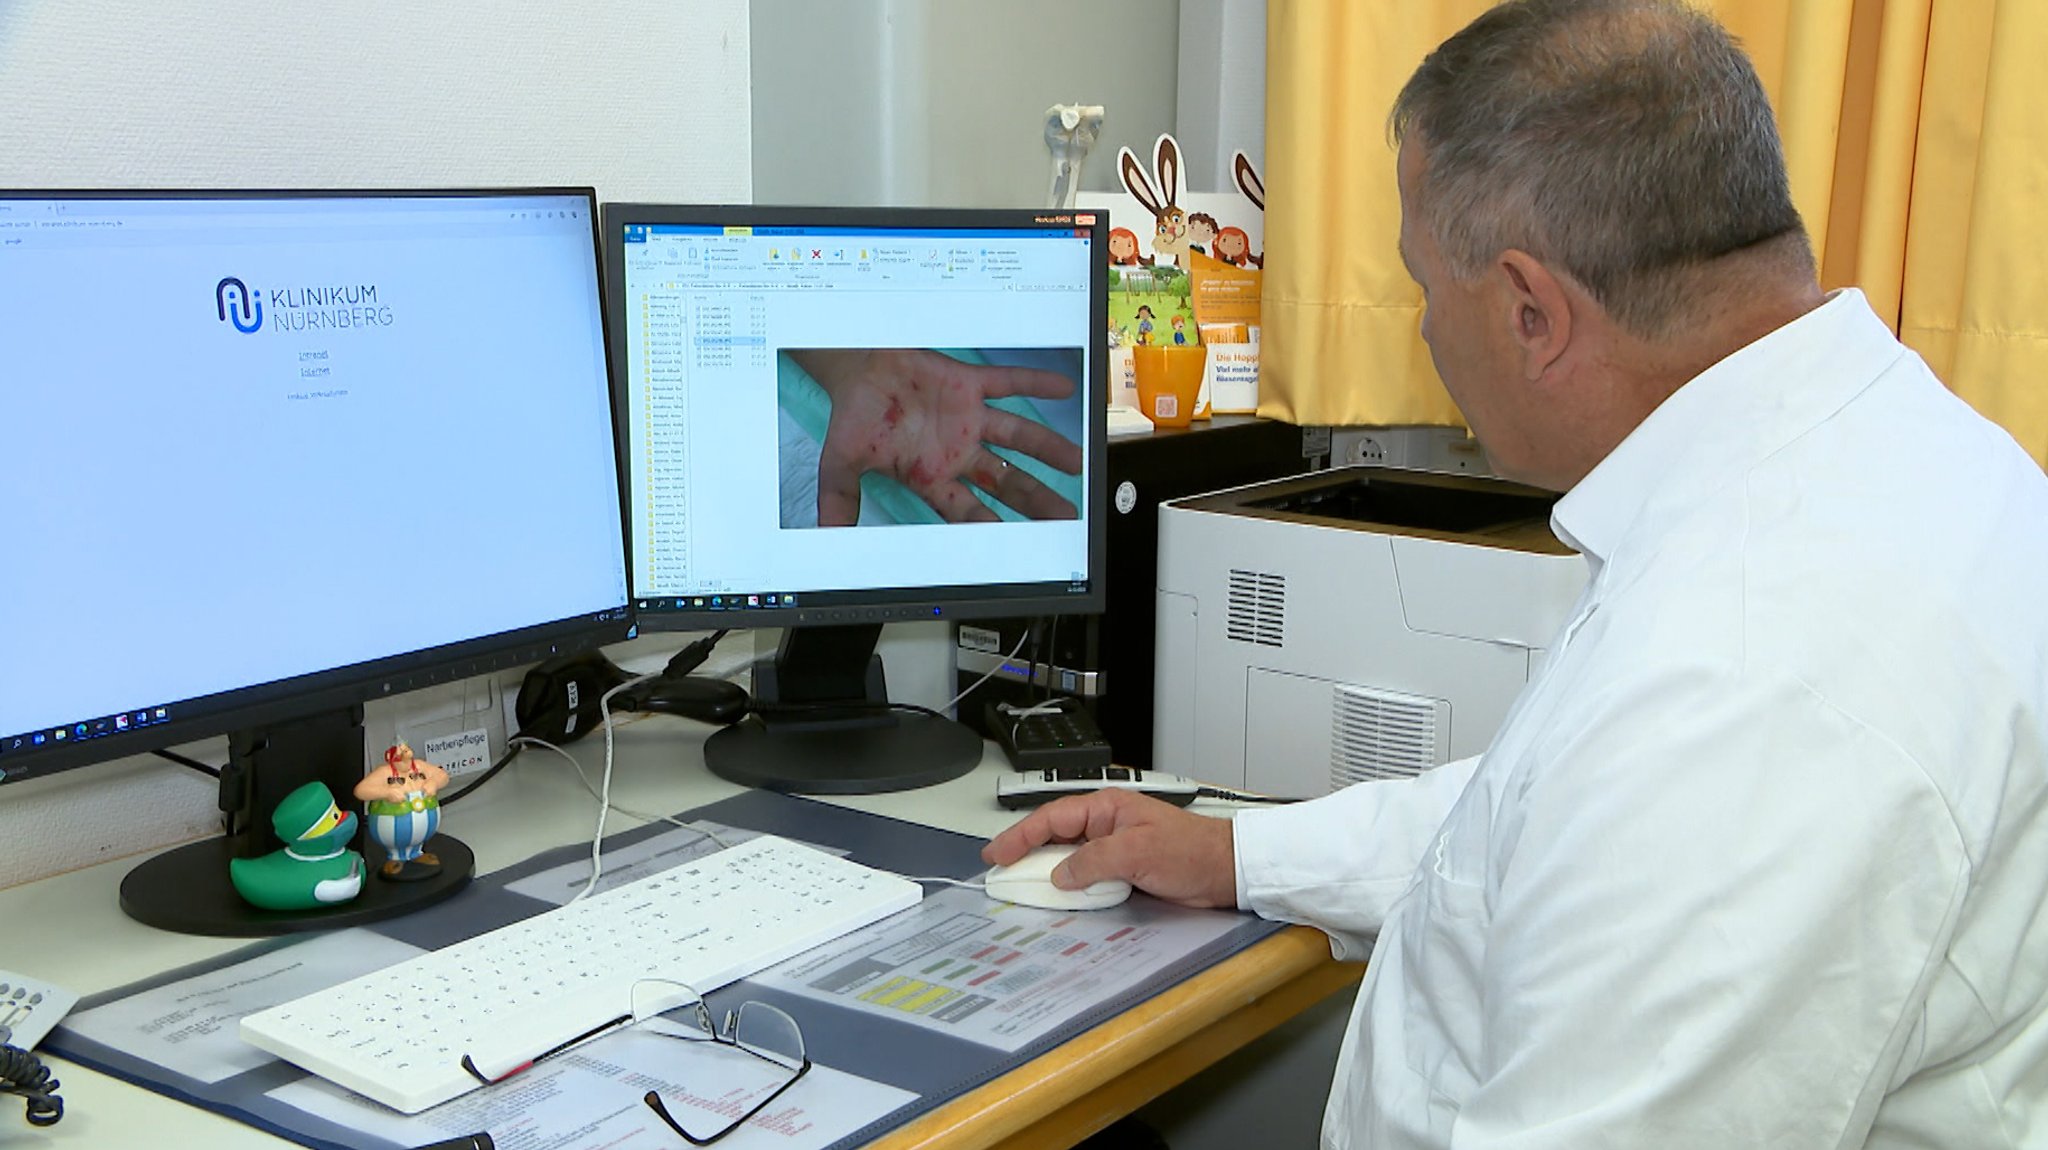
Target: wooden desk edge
(1118,1066)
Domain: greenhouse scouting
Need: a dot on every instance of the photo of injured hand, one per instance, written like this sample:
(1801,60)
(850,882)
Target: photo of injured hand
(933,436)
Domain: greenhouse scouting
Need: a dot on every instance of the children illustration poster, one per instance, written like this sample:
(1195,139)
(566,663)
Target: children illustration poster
(1185,268)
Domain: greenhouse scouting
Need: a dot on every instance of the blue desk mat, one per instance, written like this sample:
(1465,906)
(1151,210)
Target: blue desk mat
(935,1066)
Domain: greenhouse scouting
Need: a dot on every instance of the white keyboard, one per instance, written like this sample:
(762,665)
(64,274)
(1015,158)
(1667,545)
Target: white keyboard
(399,1035)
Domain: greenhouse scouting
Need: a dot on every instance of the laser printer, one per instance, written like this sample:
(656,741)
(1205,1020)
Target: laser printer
(1351,624)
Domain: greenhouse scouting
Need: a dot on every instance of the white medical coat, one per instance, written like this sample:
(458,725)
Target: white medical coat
(1759,856)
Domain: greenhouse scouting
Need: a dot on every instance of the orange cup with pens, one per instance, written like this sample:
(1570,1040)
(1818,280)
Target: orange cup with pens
(1169,378)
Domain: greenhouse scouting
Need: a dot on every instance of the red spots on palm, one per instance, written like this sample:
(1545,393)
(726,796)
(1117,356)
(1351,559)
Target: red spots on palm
(924,419)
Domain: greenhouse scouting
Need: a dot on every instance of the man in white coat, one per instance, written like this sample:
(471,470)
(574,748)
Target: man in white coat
(1759,858)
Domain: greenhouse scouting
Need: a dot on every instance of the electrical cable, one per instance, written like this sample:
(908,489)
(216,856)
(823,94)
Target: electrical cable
(953,703)
(852,705)
(24,1075)
(583,777)
(692,656)
(682,662)
(1052,652)
(1239,796)
(604,798)
(1037,649)
(195,764)
(512,749)
(1017,714)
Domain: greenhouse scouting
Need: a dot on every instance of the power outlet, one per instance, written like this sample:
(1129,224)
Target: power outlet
(1372,446)
(1366,450)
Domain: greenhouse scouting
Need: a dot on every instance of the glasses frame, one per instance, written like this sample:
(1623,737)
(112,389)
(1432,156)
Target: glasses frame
(728,1038)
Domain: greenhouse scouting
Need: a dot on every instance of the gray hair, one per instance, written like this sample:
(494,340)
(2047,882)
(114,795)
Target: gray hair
(1628,142)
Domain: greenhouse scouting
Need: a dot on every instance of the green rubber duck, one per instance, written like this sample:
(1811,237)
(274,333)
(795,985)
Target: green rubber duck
(315,868)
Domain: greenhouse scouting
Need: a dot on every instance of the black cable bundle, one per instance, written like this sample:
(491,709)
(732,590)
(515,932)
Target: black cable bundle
(24,1074)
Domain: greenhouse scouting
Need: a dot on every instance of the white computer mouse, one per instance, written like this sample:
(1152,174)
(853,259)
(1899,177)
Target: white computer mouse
(1028,882)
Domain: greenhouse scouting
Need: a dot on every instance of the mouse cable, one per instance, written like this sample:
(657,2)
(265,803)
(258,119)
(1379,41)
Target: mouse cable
(970,884)
(24,1075)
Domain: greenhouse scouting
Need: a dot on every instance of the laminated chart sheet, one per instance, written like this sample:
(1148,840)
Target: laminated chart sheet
(994,973)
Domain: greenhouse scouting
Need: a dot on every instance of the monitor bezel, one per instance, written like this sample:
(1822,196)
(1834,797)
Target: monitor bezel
(210,716)
(892,604)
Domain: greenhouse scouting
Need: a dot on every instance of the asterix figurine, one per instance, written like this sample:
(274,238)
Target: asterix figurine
(403,812)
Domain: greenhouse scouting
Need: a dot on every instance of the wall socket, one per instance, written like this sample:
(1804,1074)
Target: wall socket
(1441,449)
(1366,450)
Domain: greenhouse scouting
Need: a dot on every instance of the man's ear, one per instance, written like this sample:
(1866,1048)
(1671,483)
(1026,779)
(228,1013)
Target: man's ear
(1540,316)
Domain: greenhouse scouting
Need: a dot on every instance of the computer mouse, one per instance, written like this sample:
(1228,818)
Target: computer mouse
(692,697)
(1028,882)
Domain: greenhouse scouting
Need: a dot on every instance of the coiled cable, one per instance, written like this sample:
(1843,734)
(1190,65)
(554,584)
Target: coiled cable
(24,1074)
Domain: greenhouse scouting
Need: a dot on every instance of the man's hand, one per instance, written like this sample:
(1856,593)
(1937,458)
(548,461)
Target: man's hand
(922,418)
(1157,847)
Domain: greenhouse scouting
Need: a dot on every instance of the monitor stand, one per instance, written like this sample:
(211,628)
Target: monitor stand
(826,729)
(187,889)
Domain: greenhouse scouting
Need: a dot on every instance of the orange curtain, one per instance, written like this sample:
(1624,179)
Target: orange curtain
(1339,317)
(1974,297)
(1911,134)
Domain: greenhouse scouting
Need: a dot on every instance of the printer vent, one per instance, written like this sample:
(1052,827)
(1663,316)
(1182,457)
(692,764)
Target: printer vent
(1377,734)
(1257,610)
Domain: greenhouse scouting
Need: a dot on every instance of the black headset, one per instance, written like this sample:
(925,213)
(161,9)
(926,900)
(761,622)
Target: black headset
(558,699)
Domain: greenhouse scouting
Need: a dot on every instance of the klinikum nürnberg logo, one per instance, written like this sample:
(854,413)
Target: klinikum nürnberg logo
(238,305)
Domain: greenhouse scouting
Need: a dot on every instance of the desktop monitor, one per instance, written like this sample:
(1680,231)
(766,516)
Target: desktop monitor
(272,455)
(835,419)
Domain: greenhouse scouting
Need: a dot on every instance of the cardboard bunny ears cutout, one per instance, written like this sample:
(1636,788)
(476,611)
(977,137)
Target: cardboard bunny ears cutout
(1213,225)
(1170,221)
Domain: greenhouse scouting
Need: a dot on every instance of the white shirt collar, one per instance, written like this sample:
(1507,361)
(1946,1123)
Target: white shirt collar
(1724,420)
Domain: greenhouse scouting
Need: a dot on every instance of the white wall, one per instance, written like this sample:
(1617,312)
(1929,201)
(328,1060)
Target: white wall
(942,102)
(1220,102)
(643,98)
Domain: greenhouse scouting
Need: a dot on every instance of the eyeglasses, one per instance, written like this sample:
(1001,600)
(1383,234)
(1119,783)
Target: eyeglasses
(756,1029)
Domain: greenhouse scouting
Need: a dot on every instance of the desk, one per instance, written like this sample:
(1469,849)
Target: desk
(70,930)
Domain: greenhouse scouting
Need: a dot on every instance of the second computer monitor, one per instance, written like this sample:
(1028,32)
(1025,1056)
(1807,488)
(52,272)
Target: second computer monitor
(839,418)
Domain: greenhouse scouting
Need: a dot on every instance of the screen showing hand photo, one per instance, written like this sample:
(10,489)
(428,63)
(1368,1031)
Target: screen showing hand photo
(891,436)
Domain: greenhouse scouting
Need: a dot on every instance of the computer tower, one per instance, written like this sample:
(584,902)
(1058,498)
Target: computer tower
(1106,660)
